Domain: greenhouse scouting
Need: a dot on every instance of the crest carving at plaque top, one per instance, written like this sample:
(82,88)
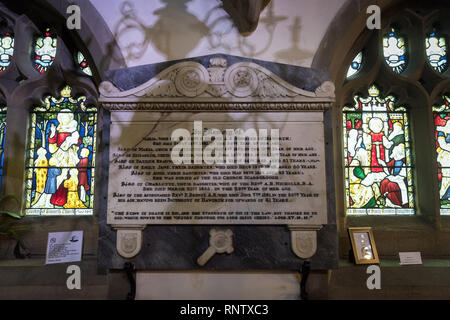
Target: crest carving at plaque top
(239,82)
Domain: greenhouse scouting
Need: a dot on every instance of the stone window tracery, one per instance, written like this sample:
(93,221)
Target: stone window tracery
(404,66)
(51,93)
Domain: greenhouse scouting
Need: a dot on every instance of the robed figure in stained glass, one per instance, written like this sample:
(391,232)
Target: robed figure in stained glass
(443,151)
(442,125)
(378,175)
(71,184)
(62,153)
(63,146)
(2,138)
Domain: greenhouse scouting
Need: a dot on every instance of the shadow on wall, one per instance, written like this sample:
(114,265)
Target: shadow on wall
(177,32)
(294,54)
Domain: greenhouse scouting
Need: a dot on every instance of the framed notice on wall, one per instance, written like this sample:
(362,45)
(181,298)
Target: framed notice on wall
(364,250)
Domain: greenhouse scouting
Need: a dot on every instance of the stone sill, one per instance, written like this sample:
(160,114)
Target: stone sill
(445,223)
(40,262)
(343,263)
(388,263)
(391,223)
(397,281)
(31,262)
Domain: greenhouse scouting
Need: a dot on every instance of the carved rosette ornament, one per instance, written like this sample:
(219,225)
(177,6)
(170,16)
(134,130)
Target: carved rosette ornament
(241,81)
(192,80)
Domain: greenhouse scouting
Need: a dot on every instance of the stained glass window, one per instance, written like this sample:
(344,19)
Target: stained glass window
(442,134)
(355,66)
(2,139)
(44,52)
(436,48)
(377,151)
(61,157)
(395,51)
(6,50)
(82,62)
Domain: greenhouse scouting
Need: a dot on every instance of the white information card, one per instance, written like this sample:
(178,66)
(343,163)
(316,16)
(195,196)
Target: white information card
(407,258)
(64,247)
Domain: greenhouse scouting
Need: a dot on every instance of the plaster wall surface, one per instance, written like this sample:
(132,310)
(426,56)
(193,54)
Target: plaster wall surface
(289,31)
(218,286)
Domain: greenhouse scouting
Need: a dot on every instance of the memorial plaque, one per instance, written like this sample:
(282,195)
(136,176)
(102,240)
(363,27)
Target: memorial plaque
(147,187)
(218,148)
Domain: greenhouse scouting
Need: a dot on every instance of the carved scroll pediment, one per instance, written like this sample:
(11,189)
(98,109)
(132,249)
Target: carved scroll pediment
(240,82)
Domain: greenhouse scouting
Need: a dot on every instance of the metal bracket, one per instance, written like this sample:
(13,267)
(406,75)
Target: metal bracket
(18,252)
(306,267)
(131,271)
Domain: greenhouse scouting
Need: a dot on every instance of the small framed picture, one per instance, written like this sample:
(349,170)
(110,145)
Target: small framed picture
(363,245)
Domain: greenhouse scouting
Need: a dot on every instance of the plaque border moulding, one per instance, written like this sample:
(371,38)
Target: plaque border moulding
(243,86)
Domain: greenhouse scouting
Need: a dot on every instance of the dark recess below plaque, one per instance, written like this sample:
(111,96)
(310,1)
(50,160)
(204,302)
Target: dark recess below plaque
(255,247)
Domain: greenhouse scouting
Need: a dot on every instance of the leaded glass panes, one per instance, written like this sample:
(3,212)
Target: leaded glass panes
(6,50)
(82,62)
(44,51)
(395,51)
(377,151)
(436,48)
(61,157)
(441,116)
(355,66)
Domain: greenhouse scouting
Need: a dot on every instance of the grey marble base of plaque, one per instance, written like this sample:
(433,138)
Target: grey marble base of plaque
(255,248)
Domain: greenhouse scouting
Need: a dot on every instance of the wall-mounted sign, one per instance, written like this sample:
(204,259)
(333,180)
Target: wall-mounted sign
(64,247)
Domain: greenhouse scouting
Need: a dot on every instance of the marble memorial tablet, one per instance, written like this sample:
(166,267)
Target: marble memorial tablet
(147,187)
(218,142)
